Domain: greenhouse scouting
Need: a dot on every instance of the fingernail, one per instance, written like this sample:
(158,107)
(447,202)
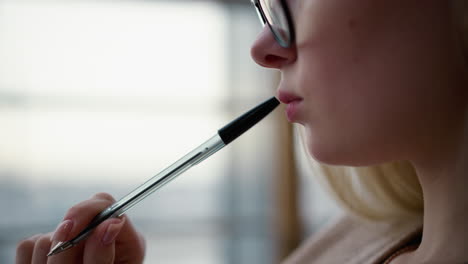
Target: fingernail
(111,233)
(62,231)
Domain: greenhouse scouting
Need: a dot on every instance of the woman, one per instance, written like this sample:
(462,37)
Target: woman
(379,82)
(379,86)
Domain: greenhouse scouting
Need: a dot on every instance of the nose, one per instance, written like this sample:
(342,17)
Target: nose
(266,51)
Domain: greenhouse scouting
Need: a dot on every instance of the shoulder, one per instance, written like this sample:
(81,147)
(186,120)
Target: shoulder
(350,240)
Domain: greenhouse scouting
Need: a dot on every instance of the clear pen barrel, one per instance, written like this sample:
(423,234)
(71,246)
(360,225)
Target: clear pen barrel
(194,157)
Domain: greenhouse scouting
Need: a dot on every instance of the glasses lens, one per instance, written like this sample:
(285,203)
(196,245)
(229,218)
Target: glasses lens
(277,19)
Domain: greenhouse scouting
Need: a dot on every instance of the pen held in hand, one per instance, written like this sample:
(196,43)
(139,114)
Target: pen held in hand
(224,136)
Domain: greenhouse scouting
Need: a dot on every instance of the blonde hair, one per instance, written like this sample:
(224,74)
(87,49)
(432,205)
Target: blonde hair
(382,192)
(387,191)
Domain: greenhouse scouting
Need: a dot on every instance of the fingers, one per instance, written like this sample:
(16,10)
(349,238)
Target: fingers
(100,246)
(41,248)
(114,240)
(130,244)
(61,234)
(74,221)
(34,249)
(81,214)
(104,196)
(25,249)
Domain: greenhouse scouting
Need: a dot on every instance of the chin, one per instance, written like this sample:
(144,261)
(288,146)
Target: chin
(327,156)
(336,154)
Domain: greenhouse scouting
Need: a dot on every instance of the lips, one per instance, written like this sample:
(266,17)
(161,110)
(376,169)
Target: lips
(293,102)
(287,98)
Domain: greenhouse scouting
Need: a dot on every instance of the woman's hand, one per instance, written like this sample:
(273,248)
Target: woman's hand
(113,241)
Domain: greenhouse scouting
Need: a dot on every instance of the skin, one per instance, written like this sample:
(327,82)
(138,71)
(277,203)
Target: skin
(114,241)
(381,81)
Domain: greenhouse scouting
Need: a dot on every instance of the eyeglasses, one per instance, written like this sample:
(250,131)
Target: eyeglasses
(276,14)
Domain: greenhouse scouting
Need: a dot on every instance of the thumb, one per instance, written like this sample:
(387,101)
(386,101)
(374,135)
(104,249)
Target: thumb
(100,246)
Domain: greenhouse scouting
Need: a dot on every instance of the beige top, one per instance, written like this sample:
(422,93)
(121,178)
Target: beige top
(353,241)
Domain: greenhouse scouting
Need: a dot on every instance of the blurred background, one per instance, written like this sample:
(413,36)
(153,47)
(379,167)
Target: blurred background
(98,96)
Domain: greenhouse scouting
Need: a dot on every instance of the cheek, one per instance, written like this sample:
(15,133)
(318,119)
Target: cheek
(331,65)
(360,56)
(358,115)
(366,77)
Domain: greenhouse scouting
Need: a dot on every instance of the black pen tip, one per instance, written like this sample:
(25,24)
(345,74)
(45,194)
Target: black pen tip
(243,123)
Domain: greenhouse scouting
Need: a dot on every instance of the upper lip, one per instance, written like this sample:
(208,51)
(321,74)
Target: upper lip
(287,98)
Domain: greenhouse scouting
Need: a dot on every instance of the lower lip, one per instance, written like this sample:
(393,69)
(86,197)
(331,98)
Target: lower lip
(292,110)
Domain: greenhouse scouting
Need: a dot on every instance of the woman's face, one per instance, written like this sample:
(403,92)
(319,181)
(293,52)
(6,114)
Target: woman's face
(368,79)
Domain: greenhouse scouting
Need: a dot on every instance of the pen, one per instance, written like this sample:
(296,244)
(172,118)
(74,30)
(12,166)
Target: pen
(224,136)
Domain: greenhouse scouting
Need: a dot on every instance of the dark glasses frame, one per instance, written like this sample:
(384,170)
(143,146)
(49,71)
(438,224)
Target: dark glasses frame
(285,43)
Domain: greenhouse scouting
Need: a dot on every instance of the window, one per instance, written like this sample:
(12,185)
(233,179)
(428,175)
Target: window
(99,96)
